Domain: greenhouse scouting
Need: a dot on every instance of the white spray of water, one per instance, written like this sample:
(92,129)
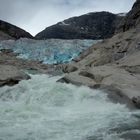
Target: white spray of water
(42,109)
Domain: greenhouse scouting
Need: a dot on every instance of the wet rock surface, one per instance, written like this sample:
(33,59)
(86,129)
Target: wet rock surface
(10,75)
(136,101)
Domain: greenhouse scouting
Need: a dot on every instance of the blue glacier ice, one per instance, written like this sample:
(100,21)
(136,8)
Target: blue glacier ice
(51,51)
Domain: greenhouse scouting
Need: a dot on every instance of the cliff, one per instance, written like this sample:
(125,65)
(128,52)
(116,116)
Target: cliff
(132,20)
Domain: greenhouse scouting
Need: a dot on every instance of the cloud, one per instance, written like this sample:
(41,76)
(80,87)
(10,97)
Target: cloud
(35,15)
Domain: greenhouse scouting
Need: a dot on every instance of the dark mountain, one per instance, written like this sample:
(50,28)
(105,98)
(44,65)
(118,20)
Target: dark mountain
(132,20)
(4,36)
(96,25)
(8,30)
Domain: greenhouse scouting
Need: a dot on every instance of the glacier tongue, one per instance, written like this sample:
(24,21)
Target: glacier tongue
(49,51)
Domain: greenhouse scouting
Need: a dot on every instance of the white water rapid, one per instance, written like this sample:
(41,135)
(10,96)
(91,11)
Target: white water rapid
(42,109)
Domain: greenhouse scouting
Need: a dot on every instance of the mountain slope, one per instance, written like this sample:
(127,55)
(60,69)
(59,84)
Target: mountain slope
(132,20)
(11,31)
(96,25)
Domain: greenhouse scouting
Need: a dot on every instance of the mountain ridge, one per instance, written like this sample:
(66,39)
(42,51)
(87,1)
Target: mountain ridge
(10,31)
(132,19)
(94,25)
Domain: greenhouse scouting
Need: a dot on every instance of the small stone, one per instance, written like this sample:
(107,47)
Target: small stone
(136,101)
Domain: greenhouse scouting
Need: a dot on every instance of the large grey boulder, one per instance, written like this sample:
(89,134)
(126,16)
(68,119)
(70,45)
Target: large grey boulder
(10,75)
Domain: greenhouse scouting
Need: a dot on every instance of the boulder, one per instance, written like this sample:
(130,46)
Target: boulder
(10,75)
(69,68)
(136,101)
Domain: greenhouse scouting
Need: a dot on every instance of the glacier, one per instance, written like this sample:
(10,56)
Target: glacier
(50,51)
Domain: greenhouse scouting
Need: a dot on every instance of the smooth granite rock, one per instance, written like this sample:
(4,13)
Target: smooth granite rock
(10,75)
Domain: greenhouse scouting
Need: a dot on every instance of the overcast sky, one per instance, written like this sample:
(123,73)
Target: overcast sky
(35,15)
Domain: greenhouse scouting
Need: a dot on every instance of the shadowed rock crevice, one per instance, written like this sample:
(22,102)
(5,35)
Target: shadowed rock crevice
(132,69)
(96,78)
(69,68)
(9,82)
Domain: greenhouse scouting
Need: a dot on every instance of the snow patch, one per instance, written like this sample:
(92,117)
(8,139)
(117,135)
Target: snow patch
(63,23)
(122,14)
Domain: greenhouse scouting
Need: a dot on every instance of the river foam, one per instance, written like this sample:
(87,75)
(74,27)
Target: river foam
(42,109)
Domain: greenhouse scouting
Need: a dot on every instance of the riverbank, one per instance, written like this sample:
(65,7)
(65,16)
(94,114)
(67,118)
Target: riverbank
(112,64)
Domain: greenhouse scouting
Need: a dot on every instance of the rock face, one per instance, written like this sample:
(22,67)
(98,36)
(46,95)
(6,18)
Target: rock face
(90,26)
(132,20)
(113,65)
(11,31)
(10,75)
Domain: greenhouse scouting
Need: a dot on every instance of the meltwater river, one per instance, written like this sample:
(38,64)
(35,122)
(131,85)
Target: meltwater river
(42,109)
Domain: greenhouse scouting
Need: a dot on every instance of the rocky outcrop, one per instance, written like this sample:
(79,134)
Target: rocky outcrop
(136,101)
(132,20)
(8,30)
(97,25)
(10,75)
(112,63)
